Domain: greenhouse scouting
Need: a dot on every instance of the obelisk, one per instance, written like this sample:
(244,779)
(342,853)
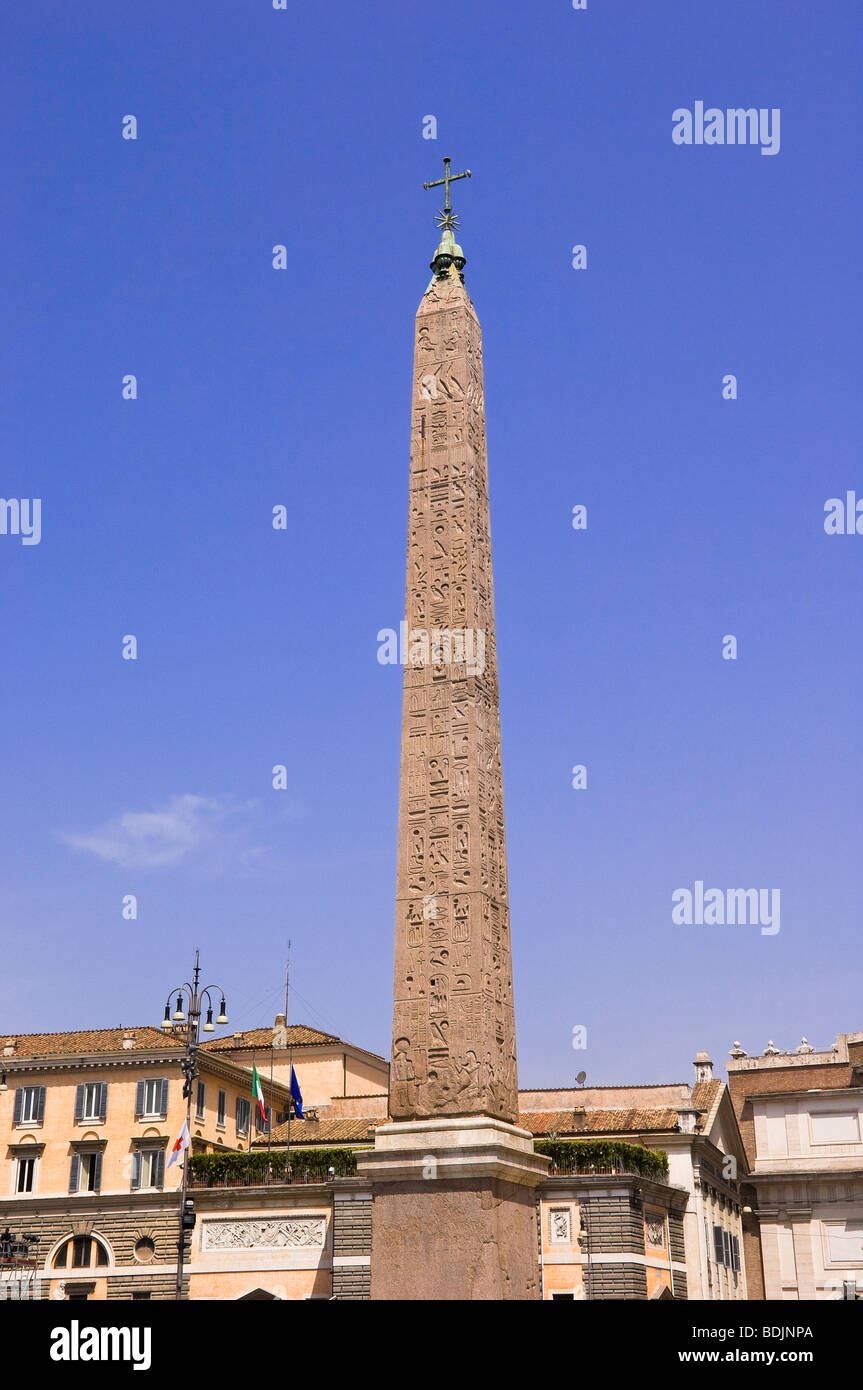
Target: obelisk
(453,1208)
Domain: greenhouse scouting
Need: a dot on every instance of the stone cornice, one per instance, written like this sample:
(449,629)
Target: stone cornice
(90,1061)
(208,1062)
(657,1193)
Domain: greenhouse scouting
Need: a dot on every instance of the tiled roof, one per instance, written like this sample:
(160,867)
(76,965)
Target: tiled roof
(706,1096)
(564,1123)
(295,1034)
(325,1132)
(561,1122)
(83,1043)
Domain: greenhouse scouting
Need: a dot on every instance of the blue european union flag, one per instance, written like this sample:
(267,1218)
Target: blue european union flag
(296,1095)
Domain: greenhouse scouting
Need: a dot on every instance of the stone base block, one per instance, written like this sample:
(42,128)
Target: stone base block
(453,1210)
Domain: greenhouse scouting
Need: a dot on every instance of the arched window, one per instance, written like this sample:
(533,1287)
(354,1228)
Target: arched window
(81,1252)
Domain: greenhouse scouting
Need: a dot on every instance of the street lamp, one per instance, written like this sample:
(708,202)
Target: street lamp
(19,1254)
(189,1067)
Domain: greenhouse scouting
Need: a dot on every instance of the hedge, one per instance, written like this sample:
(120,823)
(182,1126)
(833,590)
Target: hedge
(214,1169)
(581,1155)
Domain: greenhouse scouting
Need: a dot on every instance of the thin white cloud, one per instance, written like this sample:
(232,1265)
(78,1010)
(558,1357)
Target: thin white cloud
(151,839)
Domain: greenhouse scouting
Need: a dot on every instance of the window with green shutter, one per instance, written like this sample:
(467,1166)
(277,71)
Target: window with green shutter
(29,1105)
(91,1102)
(151,1098)
(148,1168)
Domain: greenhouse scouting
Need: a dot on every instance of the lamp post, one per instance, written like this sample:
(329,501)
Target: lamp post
(19,1253)
(189,1067)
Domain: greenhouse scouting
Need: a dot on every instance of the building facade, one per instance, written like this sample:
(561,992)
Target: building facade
(801,1119)
(87,1121)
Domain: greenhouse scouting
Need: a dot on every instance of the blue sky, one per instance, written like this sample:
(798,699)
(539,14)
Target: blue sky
(258,388)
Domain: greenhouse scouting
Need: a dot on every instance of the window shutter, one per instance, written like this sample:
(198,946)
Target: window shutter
(139,1099)
(80,1092)
(163,1103)
(136,1167)
(239,1111)
(18,1110)
(103,1100)
(74,1172)
(40,1104)
(159,1169)
(726,1245)
(97,1176)
(718,1248)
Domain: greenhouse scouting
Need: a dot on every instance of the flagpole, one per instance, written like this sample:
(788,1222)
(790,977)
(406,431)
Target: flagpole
(270,1125)
(290,1111)
(290,1066)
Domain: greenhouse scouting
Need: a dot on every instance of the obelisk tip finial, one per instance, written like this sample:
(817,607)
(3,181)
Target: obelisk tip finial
(449,252)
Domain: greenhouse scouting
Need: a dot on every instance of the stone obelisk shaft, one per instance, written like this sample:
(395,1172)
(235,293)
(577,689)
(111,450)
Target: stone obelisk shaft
(453,1026)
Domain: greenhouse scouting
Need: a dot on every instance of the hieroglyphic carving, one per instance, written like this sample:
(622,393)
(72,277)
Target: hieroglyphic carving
(453,1029)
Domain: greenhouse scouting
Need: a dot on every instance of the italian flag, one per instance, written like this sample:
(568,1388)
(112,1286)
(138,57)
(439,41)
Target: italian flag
(258,1093)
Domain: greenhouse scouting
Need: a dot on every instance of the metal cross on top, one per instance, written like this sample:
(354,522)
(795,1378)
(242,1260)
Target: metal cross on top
(447,218)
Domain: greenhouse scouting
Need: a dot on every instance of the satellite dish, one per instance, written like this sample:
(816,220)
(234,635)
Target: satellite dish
(581,1078)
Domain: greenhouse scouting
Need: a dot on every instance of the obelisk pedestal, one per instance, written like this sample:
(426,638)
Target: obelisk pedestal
(454,1210)
(453,1177)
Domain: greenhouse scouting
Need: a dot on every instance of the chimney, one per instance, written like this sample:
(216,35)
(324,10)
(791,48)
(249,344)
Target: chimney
(238,1037)
(686,1119)
(9,1047)
(280,1031)
(703,1067)
(128,1038)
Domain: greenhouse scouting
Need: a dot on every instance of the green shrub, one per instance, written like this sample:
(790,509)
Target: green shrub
(309,1165)
(580,1155)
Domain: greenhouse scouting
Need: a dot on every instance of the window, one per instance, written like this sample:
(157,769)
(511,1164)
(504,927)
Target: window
(91,1102)
(243,1115)
(151,1099)
(145,1250)
(726,1248)
(262,1126)
(25,1177)
(220,1115)
(199,1101)
(718,1246)
(85,1172)
(563,1295)
(148,1168)
(141,1297)
(29,1108)
(80,1294)
(81,1252)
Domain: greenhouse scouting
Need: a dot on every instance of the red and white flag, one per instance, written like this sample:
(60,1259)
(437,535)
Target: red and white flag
(181,1145)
